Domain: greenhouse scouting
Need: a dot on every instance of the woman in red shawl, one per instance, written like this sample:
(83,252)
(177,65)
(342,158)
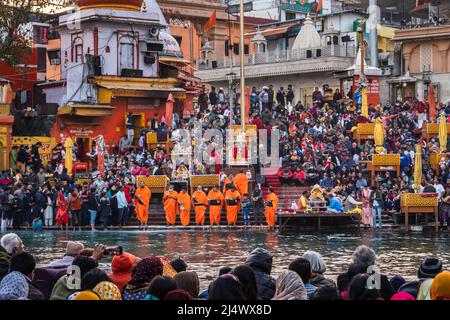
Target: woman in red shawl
(62,213)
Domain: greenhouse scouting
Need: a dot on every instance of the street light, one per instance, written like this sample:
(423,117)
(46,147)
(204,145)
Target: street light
(241,58)
(362,77)
(230,77)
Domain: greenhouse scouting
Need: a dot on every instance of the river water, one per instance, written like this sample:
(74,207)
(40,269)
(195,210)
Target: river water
(207,251)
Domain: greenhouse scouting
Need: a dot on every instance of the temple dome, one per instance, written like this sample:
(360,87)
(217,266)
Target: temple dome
(308,37)
(129,5)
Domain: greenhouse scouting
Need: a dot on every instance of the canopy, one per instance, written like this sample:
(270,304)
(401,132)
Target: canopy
(443,133)
(69,159)
(418,167)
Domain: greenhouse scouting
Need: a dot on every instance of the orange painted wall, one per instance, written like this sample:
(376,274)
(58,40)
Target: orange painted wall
(53,71)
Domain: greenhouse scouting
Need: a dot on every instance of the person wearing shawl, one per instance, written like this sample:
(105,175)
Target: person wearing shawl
(62,213)
(14,286)
(232,199)
(142,201)
(402,296)
(170,205)
(440,288)
(271,208)
(121,267)
(184,205)
(200,201)
(215,198)
(141,276)
(188,281)
(289,286)
(107,291)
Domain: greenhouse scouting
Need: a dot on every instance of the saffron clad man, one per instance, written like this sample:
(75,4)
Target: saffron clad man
(215,198)
(170,205)
(184,206)
(232,199)
(200,202)
(271,206)
(142,200)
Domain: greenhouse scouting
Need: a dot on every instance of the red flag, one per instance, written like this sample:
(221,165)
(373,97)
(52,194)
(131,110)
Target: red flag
(319,7)
(211,22)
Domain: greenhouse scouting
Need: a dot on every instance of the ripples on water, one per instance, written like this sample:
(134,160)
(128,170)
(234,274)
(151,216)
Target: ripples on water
(205,252)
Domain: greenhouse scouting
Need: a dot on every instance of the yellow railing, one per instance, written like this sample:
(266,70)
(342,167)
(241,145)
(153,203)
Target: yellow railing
(418,200)
(5,109)
(386,160)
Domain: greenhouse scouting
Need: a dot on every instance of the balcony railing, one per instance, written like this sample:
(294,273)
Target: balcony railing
(277,56)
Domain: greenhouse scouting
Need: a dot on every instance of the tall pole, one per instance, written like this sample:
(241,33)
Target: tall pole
(362,77)
(241,58)
(373,35)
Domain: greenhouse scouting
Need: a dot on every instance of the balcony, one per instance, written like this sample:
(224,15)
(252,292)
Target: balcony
(280,62)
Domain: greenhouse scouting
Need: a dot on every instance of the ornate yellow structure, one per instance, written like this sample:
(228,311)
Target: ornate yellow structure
(157,184)
(419,203)
(208,181)
(383,163)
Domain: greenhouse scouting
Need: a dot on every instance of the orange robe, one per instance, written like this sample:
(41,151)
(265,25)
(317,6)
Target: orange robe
(214,210)
(184,205)
(228,181)
(201,199)
(142,208)
(170,206)
(241,183)
(270,211)
(232,210)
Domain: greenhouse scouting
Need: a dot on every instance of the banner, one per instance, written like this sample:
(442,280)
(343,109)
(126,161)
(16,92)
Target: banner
(302,6)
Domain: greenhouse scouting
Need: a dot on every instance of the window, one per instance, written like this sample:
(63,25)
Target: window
(126,52)
(246,49)
(77,50)
(227,50)
(179,39)
(290,16)
(236,48)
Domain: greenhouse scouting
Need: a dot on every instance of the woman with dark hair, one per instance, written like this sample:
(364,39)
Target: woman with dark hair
(141,276)
(247,279)
(159,287)
(93,278)
(359,289)
(178,294)
(226,287)
(188,281)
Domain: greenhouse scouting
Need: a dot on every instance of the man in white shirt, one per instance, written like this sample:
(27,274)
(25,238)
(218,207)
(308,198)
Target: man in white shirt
(439,188)
(122,206)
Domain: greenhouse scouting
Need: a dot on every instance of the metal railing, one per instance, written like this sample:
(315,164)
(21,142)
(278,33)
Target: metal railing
(277,56)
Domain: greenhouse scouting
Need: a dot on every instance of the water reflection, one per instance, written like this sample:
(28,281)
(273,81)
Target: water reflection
(207,251)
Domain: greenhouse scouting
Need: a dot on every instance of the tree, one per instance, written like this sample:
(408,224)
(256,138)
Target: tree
(15,15)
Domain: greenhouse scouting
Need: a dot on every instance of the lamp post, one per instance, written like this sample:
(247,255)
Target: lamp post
(362,77)
(230,77)
(241,58)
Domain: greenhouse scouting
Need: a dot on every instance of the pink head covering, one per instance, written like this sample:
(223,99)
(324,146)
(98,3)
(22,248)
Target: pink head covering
(402,296)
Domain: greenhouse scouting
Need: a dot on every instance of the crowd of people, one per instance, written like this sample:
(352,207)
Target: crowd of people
(317,148)
(77,276)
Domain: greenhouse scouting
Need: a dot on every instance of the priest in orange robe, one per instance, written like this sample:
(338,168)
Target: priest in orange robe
(142,201)
(170,202)
(184,205)
(271,205)
(241,182)
(228,183)
(200,201)
(215,198)
(232,198)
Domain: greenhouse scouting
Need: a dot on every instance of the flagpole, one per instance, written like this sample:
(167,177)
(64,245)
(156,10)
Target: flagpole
(241,58)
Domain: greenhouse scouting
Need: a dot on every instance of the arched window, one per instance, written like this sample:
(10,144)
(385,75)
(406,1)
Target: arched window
(77,50)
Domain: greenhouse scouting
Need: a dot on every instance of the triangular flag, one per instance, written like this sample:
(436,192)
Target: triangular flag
(211,22)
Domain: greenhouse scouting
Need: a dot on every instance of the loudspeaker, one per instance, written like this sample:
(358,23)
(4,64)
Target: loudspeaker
(132,73)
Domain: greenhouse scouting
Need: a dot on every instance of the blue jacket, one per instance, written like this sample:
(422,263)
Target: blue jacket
(336,204)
